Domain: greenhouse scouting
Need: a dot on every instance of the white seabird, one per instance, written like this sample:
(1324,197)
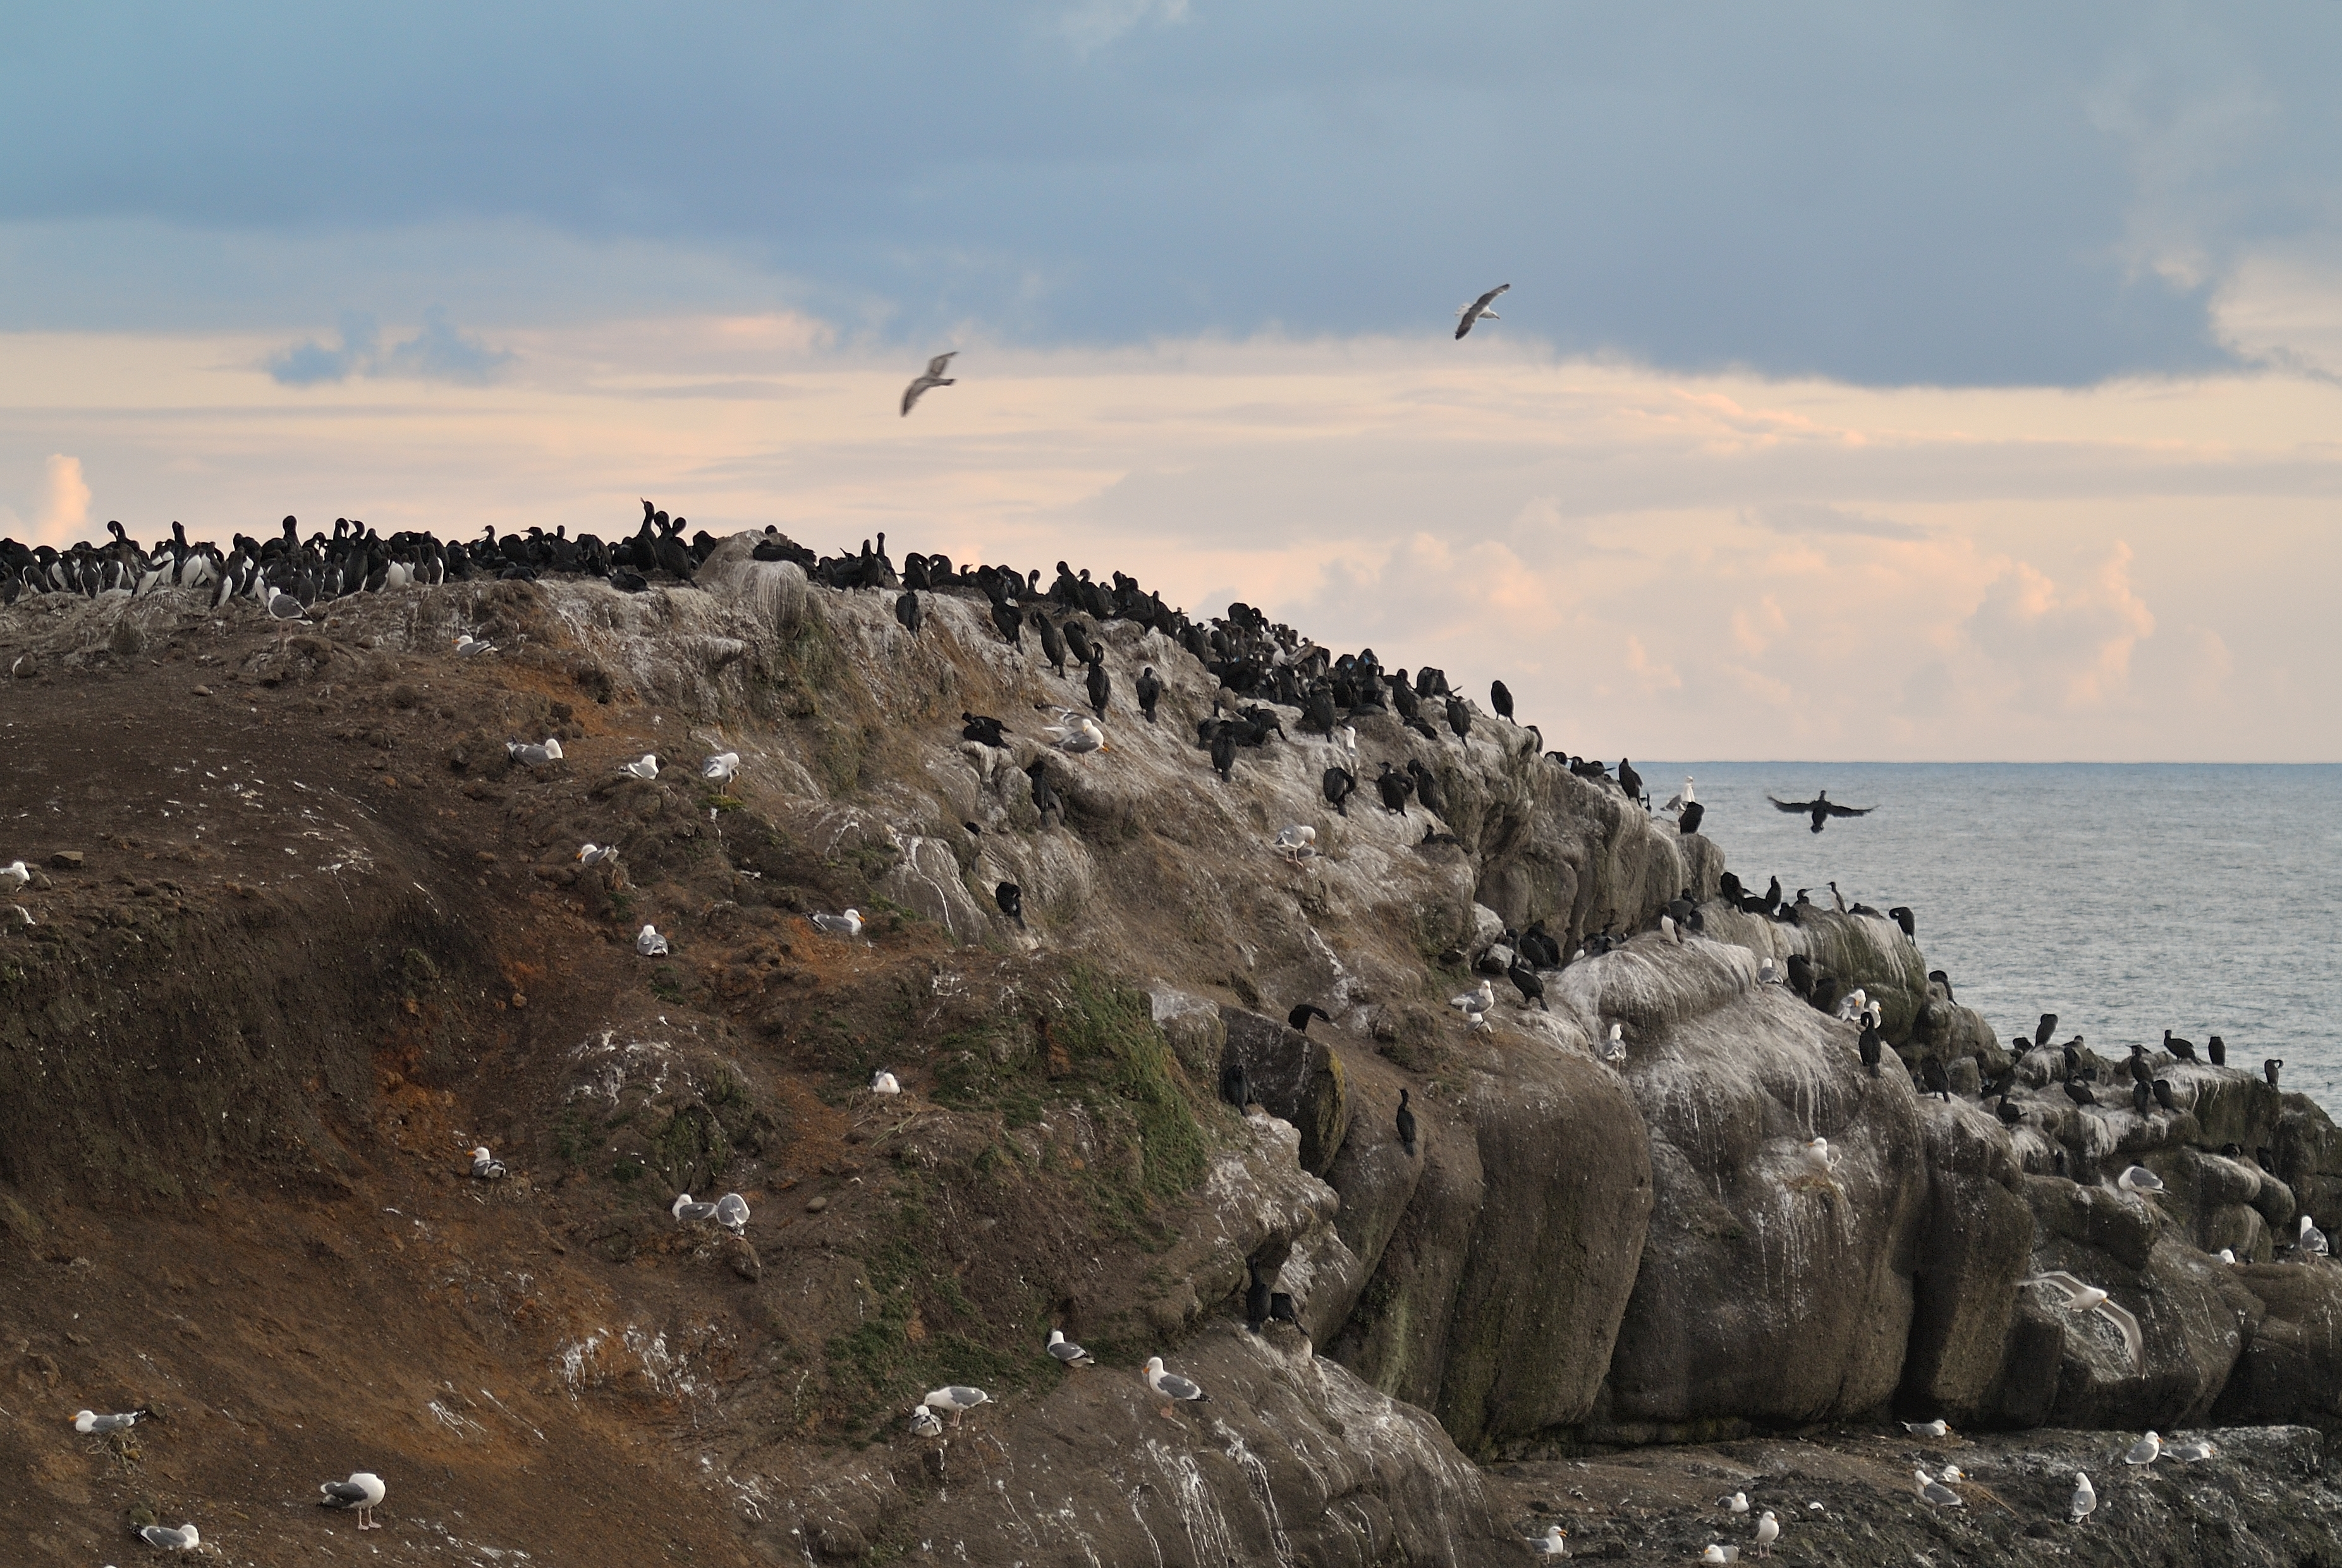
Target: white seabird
(14,873)
(485,1165)
(926,1422)
(1819,1154)
(90,1420)
(1296,844)
(2193,1453)
(1938,1427)
(1615,1053)
(846,924)
(1554,1542)
(732,1212)
(643,767)
(362,1492)
(1936,1493)
(1078,735)
(2081,1297)
(468,646)
(1676,803)
(2228,1255)
(1718,1552)
(1768,1530)
(2140,1179)
(183,1539)
(2085,1498)
(1469,315)
(1346,737)
(2146,1451)
(1171,1385)
(1737,1502)
(719,768)
(1475,1020)
(884,1083)
(535,756)
(933,376)
(688,1210)
(1768,972)
(2310,1239)
(1850,1005)
(1479,1001)
(1670,930)
(1065,1350)
(597,853)
(957,1399)
(649,943)
(1952,1474)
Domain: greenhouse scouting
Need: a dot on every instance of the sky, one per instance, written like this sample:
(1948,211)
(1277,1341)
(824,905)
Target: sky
(1885,383)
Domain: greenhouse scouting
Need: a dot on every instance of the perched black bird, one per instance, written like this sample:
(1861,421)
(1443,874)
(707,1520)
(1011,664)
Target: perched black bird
(2139,1071)
(1629,780)
(2270,1068)
(1426,786)
(2046,1028)
(2009,1113)
(1045,799)
(1300,1016)
(1233,1087)
(1281,1310)
(1939,1080)
(1224,749)
(1396,788)
(1100,686)
(1406,1126)
(1688,820)
(1011,624)
(1459,718)
(1821,808)
(1901,915)
(2073,1059)
(2080,1094)
(1257,1301)
(2163,1095)
(1052,641)
(983,730)
(1010,899)
(2216,1051)
(1524,979)
(1943,980)
(1500,699)
(1872,1046)
(906,611)
(1150,692)
(2142,1098)
(2183,1049)
(1801,975)
(1340,785)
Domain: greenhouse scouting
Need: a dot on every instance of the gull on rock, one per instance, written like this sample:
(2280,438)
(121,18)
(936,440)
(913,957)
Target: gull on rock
(1065,1351)
(15,873)
(1554,1542)
(2146,1451)
(90,1420)
(1850,1006)
(2193,1453)
(1479,1001)
(689,1211)
(649,943)
(1737,1502)
(596,854)
(2085,1498)
(534,756)
(361,1493)
(732,1212)
(1296,844)
(957,1398)
(2309,1239)
(1171,1385)
(1935,1428)
(1936,1493)
(1819,1155)
(846,924)
(485,1165)
(719,768)
(1615,1052)
(2140,1179)
(468,646)
(884,1083)
(1768,1530)
(643,767)
(926,1422)
(183,1539)
(1078,736)
(1718,1552)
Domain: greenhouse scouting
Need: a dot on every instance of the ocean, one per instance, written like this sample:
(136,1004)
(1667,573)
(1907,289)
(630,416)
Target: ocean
(2128,899)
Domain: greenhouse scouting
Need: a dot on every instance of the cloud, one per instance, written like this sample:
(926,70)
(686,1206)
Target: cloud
(1812,517)
(437,352)
(1095,24)
(2068,649)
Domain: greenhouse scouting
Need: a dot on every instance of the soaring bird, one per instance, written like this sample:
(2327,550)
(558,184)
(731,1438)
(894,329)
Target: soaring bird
(934,377)
(362,1493)
(1821,808)
(1478,310)
(2080,1297)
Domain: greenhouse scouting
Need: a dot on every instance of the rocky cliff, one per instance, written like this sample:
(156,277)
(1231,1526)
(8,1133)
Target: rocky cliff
(302,932)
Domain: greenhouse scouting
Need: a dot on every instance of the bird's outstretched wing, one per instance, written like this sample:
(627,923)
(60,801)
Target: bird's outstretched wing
(1799,806)
(2127,1326)
(1835,809)
(936,365)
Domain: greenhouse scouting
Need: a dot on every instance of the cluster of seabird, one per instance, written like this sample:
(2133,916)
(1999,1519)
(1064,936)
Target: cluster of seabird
(360,1494)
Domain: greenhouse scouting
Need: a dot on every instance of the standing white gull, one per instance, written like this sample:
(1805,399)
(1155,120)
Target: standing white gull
(2140,1179)
(690,1211)
(2310,1239)
(1936,1493)
(1554,1542)
(1296,844)
(1768,1530)
(1851,1006)
(2085,1498)
(846,924)
(719,768)
(732,1212)
(485,1165)
(956,1398)
(183,1539)
(2146,1451)
(1768,973)
(1065,1350)
(1467,317)
(643,767)
(1479,1001)
(14,875)
(1676,803)
(933,377)
(884,1083)
(1614,1052)
(2092,1300)
(1171,1385)
(649,943)
(362,1492)
(90,1420)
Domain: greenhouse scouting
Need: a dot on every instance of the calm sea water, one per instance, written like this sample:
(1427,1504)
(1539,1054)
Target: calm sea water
(2125,899)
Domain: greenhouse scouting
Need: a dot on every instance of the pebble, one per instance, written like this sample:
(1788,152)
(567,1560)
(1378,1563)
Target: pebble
(67,860)
(816,1205)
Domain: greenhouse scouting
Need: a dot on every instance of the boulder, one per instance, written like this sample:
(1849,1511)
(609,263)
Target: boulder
(1974,1240)
(1293,1075)
(2292,1369)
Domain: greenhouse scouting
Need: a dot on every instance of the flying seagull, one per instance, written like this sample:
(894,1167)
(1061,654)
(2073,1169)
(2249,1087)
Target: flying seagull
(1478,310)
(934,377)
(2080,1297)
(1821,808)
